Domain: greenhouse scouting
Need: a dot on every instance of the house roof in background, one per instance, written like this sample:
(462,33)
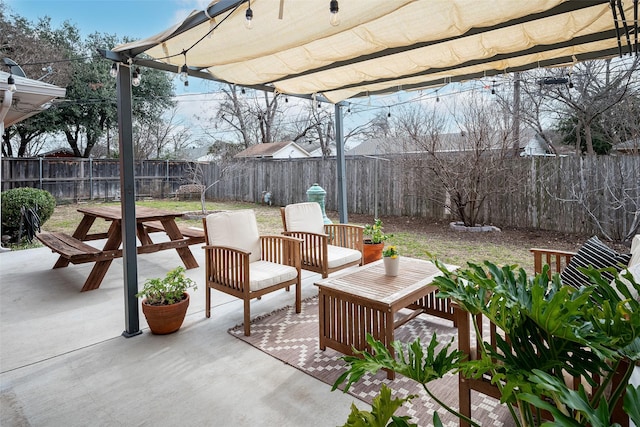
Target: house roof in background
(271,150)
(383,46)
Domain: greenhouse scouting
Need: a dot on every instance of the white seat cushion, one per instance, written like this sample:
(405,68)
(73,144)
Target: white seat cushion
(338,256)
(237,229)
(263,274)
(305,217)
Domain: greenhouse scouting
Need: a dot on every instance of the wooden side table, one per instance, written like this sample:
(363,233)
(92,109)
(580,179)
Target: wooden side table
(365,301)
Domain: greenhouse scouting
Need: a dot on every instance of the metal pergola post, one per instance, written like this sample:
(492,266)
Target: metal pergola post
(127,191)
(342,184)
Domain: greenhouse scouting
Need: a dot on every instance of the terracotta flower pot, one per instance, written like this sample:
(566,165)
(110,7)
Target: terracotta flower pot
(165,319)
(372,252)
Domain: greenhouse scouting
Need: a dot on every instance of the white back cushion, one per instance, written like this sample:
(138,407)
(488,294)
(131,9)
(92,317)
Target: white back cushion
(304,217)
(235,228)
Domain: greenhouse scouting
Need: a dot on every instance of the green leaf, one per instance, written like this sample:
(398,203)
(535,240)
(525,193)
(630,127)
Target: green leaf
(631,403)
(382,409)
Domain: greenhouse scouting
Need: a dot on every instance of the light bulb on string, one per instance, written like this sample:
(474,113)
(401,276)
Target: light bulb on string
(437,97)
(248,21)
(334,18)
(184,73)
(113,72)
(135,77)
(12,84)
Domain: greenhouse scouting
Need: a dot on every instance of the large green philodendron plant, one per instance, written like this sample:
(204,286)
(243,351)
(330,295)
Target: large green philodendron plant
(551,328)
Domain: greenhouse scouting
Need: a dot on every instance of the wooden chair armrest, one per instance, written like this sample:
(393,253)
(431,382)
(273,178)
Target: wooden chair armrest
(346,235)
(551,251)
(309,239)
(281,249)
(222,249)
(556,259)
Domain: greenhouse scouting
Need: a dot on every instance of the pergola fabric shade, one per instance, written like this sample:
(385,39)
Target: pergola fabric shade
(381,45)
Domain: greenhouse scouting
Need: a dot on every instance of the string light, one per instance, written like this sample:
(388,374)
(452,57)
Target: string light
(389,112)
(437,97)
(135,77)
(248,22)
(12,83)
(334,19)
(493,88)
(184,71)
(113,72)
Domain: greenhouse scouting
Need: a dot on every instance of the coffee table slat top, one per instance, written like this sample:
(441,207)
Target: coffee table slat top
(369,282)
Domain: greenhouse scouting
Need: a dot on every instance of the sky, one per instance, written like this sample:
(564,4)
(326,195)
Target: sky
(134,18)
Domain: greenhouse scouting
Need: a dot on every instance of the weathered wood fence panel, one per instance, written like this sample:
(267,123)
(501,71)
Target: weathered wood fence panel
(91,179)
(564,194)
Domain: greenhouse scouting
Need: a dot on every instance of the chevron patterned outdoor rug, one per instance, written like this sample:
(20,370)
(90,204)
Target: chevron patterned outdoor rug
(293,339)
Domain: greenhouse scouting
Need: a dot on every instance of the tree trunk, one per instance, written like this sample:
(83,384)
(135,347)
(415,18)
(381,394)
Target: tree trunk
(588,140)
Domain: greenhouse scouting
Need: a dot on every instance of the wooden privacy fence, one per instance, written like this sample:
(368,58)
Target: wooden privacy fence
(597,195)
(93,179)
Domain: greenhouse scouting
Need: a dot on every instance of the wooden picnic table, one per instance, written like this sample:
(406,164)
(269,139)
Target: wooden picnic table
(72,249)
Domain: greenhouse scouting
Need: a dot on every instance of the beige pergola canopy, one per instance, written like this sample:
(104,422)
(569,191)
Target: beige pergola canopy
(386,45)
(379,46)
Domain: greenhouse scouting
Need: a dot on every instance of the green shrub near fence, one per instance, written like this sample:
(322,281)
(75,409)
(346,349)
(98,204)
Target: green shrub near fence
(19,200)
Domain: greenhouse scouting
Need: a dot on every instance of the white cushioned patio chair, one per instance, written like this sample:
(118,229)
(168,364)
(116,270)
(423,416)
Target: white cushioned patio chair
(242,263)
(325,247)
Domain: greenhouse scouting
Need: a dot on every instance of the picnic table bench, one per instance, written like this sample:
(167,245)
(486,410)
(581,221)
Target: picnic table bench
(72,249)
(193,232)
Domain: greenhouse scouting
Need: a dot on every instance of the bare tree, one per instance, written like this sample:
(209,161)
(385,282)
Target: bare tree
(470,165)
(162,136)
(198,176)
(597,88)
(254,118)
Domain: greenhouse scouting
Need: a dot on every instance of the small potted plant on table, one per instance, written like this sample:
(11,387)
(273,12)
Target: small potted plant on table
(375,243)
(166,301)
(391,259)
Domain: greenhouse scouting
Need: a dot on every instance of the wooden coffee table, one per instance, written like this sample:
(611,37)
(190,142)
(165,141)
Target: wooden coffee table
(365,301)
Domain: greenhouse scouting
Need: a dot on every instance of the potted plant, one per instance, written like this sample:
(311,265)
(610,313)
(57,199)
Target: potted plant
(391,259)
(546,318)
(375,243)
(166,301)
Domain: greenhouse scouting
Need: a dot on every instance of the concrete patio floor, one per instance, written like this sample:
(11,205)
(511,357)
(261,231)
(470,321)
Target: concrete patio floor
(63,361)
